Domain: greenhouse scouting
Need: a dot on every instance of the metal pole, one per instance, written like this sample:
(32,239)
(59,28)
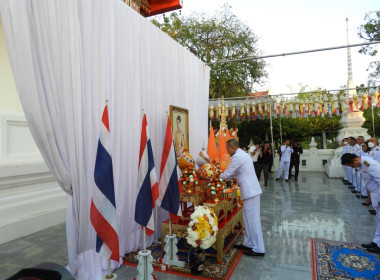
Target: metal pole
(373,121)
(280,131)
(144,239)
(271,128)
(291,53)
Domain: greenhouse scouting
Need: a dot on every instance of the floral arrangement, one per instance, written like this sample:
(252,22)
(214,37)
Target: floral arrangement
(231,183)
(207,170)
(189,178)
(203,228)
(215,185)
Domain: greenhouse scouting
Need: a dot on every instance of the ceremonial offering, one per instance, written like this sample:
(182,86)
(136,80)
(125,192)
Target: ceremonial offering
(231,183)
(215,186)
(202,158)
(185,159)
(203,228)
(189,179)
(207,171)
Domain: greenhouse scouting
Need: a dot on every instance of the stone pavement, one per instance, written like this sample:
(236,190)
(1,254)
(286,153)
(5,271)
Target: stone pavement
(291,213)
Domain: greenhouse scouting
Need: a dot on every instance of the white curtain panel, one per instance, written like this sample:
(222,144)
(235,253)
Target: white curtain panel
(68,57)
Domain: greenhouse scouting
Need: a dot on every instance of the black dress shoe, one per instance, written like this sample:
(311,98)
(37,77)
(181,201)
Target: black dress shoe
(372,212)
(286,180)
(351,187)
(277,179)
(354,191)
(371,250)
(366,204)
(242,247)
(253,253)
(361,196)
(347,183)
(266,184)
(369,245)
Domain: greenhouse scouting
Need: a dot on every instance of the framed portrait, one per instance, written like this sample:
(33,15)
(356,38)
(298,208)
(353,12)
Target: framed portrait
(179,119)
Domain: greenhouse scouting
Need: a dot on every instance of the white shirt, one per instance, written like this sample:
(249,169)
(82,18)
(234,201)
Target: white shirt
(375,153)
(256,155)
(345,149)
(285,153)
(370,172)
(242,168)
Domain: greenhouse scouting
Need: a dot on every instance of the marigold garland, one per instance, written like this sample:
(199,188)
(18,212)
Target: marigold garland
(203,228)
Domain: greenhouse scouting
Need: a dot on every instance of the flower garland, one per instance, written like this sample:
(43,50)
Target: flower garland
(203,228)
(189,178)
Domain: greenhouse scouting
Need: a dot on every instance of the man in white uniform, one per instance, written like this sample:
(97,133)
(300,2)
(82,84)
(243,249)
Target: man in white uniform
(241,167)
(347,177)
(254,153)
(286,151)
(370,171)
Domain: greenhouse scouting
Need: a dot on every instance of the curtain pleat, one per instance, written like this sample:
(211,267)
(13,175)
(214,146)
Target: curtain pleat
(68,57)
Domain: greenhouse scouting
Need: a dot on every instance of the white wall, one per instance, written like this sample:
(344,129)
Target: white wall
(30,198)
(9,100)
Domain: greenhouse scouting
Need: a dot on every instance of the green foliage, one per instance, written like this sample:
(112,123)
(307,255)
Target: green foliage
(218,37)
(371,32)
(368,123)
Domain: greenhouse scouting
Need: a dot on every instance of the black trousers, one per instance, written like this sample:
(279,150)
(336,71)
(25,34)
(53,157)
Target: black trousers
(296,165)
(262,167)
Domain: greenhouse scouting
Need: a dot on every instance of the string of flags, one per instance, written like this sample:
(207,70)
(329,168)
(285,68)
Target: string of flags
(260,109)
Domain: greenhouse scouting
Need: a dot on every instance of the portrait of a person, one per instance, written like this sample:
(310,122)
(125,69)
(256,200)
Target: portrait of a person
(179,140)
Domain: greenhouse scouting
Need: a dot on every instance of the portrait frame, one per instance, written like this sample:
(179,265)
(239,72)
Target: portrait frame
(183,114)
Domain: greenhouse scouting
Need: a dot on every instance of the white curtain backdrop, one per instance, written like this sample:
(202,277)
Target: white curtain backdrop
(68,57)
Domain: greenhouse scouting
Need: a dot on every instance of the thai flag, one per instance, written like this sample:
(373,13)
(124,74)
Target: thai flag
(147,181)
(169,176)
(103,206)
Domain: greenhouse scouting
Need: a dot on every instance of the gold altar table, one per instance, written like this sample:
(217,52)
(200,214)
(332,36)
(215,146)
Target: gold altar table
(229,215)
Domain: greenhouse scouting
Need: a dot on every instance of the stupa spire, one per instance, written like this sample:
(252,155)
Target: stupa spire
(350,92)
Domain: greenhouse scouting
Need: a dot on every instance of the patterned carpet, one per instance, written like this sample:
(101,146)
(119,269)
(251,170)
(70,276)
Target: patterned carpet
(212,270)
(344,261)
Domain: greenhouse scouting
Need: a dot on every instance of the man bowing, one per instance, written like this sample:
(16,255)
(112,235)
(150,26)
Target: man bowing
(241,167)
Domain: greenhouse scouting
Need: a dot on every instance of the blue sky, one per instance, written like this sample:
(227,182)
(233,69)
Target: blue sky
(294,25)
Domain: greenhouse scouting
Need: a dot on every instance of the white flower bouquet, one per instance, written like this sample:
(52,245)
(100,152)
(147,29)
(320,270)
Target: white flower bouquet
(203,228)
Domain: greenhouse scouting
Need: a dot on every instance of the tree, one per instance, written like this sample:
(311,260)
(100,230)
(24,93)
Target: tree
(371,32)
(218,37)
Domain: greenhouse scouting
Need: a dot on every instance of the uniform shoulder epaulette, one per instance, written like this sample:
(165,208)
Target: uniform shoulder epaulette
(366,163)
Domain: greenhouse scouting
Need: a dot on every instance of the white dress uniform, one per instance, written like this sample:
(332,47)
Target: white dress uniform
(285,161)
(375,153)
(347,169)
(363,190)
(356,174)
(241,167)
(370,170)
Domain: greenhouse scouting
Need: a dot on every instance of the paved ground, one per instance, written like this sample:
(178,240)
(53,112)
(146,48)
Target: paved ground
(291,214)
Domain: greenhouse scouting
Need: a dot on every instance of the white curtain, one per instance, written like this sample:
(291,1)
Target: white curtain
(68,57)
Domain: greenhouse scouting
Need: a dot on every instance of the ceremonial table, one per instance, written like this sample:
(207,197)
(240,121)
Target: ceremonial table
(227,209)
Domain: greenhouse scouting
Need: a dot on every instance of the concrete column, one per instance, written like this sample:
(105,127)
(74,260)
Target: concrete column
(324,145)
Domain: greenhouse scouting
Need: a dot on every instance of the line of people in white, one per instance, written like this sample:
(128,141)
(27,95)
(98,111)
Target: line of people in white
(361,163)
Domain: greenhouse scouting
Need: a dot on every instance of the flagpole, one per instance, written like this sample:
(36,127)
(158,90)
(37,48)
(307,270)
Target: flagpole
(271,127)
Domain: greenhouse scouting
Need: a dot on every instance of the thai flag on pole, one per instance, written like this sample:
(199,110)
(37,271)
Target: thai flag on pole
(147,181)
(103,206)
(169,176)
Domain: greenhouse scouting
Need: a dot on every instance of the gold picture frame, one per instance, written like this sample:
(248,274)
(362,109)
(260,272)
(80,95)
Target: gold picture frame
(179,120)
